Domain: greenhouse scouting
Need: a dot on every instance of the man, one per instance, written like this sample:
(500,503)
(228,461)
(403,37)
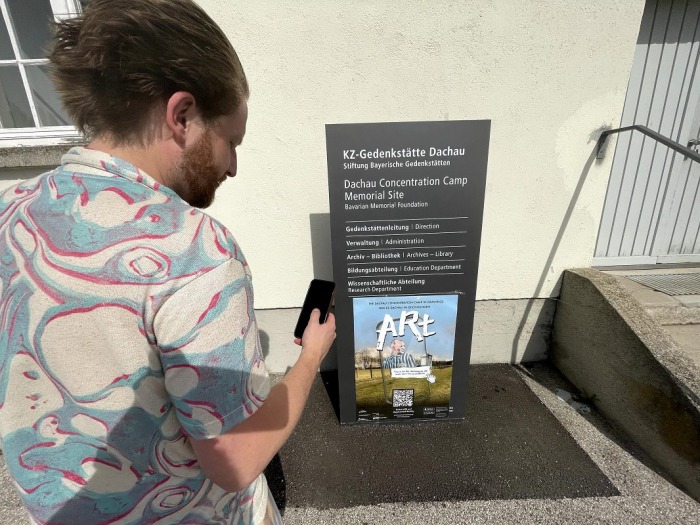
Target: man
(398,357)
(133,388)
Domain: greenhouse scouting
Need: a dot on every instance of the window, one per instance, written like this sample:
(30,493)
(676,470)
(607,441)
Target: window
(29,106)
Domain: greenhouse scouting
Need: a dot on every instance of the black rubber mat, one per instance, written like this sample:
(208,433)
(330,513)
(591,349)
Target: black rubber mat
(509,447)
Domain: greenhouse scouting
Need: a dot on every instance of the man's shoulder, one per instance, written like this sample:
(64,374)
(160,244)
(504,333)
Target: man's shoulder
(118,210)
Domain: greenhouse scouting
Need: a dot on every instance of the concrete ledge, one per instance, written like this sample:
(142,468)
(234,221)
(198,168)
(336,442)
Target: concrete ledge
(668,315)
(665,309)
(619,356)
(505,331)
(32,156)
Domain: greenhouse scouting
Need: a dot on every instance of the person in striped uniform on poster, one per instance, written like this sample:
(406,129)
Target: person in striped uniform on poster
(398,357)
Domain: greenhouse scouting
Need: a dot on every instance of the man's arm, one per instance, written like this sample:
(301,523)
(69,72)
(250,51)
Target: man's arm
(234,459)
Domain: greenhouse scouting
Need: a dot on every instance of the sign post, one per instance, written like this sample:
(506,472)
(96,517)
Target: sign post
(406,202)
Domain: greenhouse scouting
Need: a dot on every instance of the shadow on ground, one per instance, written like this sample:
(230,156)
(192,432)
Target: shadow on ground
(508,447)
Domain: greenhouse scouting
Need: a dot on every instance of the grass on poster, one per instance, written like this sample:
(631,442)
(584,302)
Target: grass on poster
(370,392)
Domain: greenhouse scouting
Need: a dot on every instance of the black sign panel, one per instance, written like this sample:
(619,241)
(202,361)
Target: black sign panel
(406,203)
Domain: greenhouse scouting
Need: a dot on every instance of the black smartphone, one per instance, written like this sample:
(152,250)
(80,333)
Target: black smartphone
(319,295)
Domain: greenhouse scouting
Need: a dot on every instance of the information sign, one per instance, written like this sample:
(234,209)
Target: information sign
(406,202)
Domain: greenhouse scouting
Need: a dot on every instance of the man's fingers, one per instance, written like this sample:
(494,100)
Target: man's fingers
(315,315)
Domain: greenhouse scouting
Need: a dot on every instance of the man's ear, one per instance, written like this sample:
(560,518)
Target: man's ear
(180,113)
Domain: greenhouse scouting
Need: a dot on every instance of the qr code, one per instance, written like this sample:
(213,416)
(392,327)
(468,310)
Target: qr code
(403,398)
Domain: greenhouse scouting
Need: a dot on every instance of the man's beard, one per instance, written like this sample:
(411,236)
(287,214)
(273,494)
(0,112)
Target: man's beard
(195,179)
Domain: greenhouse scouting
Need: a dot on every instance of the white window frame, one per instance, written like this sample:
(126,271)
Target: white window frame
(36,135)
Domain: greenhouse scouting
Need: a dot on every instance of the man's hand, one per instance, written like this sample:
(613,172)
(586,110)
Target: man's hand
(317,337)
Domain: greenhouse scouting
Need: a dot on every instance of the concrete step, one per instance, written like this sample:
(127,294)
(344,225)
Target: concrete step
(688,337)
(679,315)
(664,309)
(637,374)
(674,315)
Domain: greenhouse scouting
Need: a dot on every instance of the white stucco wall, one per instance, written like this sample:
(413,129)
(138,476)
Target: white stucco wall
(547,73)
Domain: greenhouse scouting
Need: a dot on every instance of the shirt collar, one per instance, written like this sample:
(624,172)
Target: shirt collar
(114,165)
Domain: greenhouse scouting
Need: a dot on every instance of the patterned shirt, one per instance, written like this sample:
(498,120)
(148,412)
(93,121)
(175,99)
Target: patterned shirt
(399,361)
(126,327)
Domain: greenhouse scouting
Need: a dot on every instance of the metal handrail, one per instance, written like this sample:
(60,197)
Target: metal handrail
(688,152)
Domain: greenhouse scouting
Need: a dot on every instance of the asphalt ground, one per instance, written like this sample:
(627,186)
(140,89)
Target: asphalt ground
(522,456)
(508,446)
(521,425)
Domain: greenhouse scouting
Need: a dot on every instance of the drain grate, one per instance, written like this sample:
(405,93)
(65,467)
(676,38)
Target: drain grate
(670,283)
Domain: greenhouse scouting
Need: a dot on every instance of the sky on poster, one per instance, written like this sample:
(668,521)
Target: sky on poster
(369,311)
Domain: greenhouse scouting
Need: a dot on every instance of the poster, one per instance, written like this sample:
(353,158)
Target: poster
(404,349)
(406,203)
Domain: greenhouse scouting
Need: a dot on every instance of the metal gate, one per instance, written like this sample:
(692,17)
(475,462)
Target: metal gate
(652,207)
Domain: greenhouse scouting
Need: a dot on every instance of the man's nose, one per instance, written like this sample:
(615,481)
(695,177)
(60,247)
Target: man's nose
(233,166)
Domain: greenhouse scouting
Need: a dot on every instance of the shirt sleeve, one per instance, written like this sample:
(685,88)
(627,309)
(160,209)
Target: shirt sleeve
(210,351)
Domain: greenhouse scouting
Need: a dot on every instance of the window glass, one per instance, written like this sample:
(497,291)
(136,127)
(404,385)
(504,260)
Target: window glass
(14,106)
(27,96)
(31,23)
(63,9)
(5,44)
(46,101)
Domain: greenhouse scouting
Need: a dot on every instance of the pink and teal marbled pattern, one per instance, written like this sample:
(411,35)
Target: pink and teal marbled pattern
(126,329)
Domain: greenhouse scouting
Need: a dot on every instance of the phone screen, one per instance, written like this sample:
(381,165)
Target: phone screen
(319,295)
